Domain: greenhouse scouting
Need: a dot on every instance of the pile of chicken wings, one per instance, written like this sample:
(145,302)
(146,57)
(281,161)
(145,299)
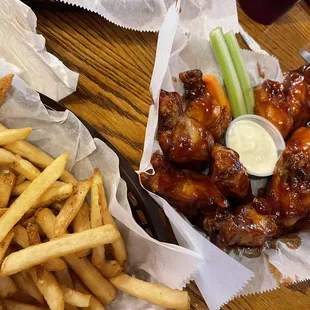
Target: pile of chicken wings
(190,131)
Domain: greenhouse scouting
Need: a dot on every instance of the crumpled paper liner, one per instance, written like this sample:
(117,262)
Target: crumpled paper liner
(148,15)
(58,132)
(221,278)
(21,46)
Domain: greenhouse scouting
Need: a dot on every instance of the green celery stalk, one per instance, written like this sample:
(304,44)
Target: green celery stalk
(229,73)
(243,76)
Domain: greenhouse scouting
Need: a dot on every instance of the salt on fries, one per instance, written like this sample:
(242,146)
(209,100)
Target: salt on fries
(52,245)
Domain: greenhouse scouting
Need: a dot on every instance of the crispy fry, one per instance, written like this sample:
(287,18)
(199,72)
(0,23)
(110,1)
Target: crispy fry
(6,157)
(5,84)
(64,278)
(20,236)
(94,304)
(16,305)
(98,253)
(20,188)
(25,201)
(46,219)
(7,180)
(19,179)
(35,156)
(54,194)
(153,293)
(80,223)
(75,298)
(7,287)
(92,278)
(110,268)
(13,135)
(4,244)
(25,168)
(49,287)
(71,207)
(68,244)
(118,246)
(24,282)
(28,214)
(52,264)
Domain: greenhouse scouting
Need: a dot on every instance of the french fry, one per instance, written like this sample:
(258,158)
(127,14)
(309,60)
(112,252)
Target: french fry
(52,264)
(7,287)
(68,244)
(20,188)
(27,199)
(153,293)
(20,236)
(94,304)
(110,268)
(13,135)
(54,194)
(71,207)
(25,283)
(7,180)
(35,156)
(5,84)
(119,249)
(46,219)
(49,287)
(19,179)
(92,278)
(4,244)
(28,214)
(64,278)
(98,253)
(6,157)
(25,168)
(80,223)
(82,266)
(16,305)
(75,298)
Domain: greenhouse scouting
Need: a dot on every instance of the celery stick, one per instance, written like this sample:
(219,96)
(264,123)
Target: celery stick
(229,74)
(243,76)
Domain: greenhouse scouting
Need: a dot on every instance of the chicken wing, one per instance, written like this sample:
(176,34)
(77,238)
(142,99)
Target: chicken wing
(290,186)
(190,192)
(270,103)
(242,226)
(182,139)
(287,104)
(229,174)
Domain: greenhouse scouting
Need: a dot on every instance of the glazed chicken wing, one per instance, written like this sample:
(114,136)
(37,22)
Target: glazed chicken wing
(229,174)
(182,139)
(192,193)
(270,103)
(243,226)
(187,130)
(290,187)
(287,104)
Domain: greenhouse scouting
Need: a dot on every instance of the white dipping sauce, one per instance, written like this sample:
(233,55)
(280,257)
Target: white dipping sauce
(257,150)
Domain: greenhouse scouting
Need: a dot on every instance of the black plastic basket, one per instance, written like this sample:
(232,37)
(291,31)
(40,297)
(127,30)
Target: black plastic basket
(145,210)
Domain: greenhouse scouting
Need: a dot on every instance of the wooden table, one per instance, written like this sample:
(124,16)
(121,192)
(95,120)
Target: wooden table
(115,67)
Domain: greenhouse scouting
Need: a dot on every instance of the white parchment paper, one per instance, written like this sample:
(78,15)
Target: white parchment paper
(21,46)
(148,15)
(58,132)
(221,278)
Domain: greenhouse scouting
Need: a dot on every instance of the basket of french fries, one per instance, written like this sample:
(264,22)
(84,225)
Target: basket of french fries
(60,247)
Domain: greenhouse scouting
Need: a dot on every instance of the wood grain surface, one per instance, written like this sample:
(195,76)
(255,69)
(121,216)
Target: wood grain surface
(115,67)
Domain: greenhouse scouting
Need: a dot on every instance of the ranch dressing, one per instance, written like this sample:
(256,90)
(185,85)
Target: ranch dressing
(257,149)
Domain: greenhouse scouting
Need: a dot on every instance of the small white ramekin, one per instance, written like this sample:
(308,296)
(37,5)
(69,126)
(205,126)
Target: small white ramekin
(271,129)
